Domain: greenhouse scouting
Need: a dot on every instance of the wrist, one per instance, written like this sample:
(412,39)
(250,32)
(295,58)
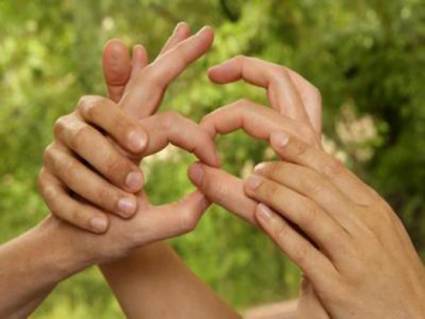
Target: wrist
(62,252)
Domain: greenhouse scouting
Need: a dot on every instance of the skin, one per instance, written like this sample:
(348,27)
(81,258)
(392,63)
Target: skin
(356,252)
(73,249)
(349,243)
(138,277)
(295,105)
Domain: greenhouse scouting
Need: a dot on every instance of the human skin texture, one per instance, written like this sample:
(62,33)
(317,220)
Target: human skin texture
(355,254)
(295,104)
(139,277)
(55,250)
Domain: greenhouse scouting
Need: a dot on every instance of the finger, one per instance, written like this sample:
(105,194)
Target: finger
(65,207)
(103,113)
(309,305)
(321,228)
(116,68)
(176,218)
(296,151)
(257,120)
(224,189)
(139,59)
(88,184)
(284,96)
(150,84)
(313,263)
(80,138)
(180,33)
(171,127)
(314,186)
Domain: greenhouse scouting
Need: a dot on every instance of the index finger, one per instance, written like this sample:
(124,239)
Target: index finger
(282,93)
(149,85)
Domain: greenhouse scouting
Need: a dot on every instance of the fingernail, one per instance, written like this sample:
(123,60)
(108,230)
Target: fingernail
(134,181)
(98,224)
(253,182)
(137,140)
(203,29)
(264,212)
(126,206)
(197,174)
(279,139)
(259,167)
(179,27)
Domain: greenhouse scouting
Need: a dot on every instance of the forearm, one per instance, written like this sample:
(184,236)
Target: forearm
(154,283)
(32,264)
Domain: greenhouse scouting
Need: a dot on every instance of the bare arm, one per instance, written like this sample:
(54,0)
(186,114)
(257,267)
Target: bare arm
(32,264)
(156,268)
(153,282)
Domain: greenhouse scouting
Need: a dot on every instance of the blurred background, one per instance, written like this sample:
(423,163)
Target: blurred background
(367,58)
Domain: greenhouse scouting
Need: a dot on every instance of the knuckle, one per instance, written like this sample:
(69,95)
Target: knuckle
(87,102)
(269,191)
(309,136)
(60,125)
(311,184)
(156,81)
(281,232)
(41,180)
(91,108)
(298,148)
(279,72)
(309,216)
(79,217)
(333,168)
(79,137)
(71,170)
(169,118)
(189,220)
(48,154)
(242,103)
(116,165)
(106,195)
(300,254)
(240,57)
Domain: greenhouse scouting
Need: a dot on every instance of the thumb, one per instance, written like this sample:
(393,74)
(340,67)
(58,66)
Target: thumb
(116,64)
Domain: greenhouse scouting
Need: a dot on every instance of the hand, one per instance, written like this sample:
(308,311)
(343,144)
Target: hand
(296,106)
(161,128)
(288,111)
(355,251)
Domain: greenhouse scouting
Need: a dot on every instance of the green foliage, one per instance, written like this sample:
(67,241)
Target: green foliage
(365,56)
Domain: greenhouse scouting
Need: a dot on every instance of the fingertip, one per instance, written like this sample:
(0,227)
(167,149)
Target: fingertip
(115,52)
(224,73)
(213,72)
(115,45)
(206,32)
(196,174)
(116,63)
(127,206)
(263,214)
(200,200)
(137,140)
(99,224)
(279,140)
(134,181)
(183,29)
(140,54)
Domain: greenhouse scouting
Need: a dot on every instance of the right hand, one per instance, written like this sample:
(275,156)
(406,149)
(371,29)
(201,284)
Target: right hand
(296,106)
(63,173)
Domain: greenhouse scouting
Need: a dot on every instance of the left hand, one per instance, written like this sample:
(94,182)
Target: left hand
(340,232)
(149,84)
